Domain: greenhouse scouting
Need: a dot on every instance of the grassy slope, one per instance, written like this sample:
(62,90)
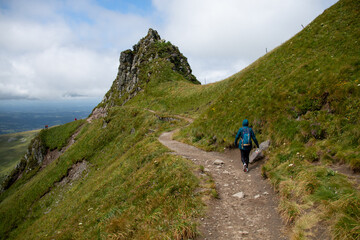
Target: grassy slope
(12,147)
(133,188)
(165,95)
(55,137)
(303,96)
(315,72)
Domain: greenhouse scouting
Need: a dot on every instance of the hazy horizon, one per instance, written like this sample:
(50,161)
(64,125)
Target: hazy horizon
(27,115)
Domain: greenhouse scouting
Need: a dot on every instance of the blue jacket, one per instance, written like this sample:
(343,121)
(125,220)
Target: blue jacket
(239,135)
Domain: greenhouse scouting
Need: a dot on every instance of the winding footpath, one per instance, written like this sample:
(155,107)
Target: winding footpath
(251,214)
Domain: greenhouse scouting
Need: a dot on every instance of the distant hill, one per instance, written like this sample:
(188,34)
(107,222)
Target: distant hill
(113,179)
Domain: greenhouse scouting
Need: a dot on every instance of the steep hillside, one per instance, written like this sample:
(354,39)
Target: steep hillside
(311,82)
(112,179)
(117,181)
(305,97)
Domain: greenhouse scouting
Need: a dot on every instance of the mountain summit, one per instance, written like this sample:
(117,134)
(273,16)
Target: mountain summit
(137,66)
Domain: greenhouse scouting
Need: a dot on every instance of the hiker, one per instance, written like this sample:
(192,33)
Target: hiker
(245,134)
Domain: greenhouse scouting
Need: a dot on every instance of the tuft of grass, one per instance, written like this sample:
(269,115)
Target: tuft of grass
(304,225)
(346,212)
(289,210)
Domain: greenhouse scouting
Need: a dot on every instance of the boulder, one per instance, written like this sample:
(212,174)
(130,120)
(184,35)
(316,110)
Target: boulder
(259,153)
(264,145)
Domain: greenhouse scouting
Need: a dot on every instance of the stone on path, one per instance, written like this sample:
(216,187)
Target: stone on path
(218,162)
(239,195)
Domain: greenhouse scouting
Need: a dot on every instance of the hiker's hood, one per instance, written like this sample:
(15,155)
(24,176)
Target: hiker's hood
(245,123)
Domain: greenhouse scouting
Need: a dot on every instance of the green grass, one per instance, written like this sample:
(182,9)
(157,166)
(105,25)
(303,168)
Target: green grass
(12,147)
(313,193)
(303,96)
(310,82)
(57,137)
(178,97)
(133,189)
(45,140)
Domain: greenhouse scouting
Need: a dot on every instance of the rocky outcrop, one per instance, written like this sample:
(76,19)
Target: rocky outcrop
(99,112)
(133,75)
(31,161)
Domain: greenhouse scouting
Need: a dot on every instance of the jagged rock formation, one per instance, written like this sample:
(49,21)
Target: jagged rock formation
(133,74)
(31,161)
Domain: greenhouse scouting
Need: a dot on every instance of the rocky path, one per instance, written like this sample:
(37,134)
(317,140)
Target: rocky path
(246,208)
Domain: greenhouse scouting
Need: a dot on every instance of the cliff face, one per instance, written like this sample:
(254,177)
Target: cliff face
(133,74)
(31,161)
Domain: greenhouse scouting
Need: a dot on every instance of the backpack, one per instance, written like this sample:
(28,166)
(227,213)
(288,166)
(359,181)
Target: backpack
(246,138)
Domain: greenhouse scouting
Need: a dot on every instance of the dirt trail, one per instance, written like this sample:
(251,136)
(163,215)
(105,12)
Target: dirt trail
(252,217)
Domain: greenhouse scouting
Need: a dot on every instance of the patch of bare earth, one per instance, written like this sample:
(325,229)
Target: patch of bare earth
(74,173)
(353,177)
(54,154)
(247,204)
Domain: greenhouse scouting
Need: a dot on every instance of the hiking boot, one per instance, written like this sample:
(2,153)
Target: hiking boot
(245,168)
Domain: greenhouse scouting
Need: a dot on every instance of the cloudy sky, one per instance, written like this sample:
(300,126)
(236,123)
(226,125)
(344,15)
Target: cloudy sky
(61,49)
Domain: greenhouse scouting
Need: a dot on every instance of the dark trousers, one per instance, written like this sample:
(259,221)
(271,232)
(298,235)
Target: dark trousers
(245,156)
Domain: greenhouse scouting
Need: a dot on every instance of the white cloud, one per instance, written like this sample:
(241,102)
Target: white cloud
(26,36)
(56,49)
(227,32)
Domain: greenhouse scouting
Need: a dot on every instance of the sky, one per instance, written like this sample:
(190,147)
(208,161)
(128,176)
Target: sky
(70,49)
